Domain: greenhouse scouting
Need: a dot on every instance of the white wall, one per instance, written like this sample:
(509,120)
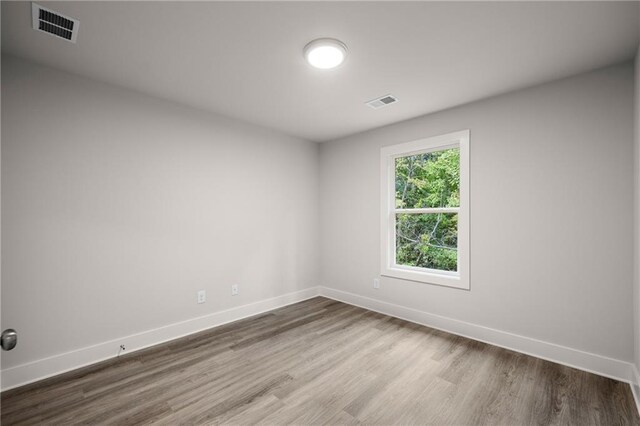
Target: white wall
(551,213)
(118,207)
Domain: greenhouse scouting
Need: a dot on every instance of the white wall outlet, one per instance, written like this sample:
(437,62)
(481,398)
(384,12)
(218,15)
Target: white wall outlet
(376,283)
(234,290)
(202,296)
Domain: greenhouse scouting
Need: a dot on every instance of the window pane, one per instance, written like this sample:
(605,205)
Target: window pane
(431,179)
(427,240)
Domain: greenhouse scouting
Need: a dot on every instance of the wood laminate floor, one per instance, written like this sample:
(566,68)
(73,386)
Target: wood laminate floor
(323,362)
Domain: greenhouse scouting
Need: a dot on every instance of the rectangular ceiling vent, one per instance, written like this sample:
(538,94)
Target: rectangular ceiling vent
(382,101)
(53,23)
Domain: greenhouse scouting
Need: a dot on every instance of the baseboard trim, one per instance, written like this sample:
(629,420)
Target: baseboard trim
(592,363)
(635,387)
(41,369)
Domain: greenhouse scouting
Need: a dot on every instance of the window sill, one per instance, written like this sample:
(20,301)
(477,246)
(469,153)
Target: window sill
(442,279)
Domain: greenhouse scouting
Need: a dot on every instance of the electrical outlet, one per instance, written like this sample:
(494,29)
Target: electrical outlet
(202,296)
(234,290)
(376,283)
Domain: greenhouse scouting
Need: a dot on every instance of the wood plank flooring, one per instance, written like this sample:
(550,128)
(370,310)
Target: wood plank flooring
(323,362)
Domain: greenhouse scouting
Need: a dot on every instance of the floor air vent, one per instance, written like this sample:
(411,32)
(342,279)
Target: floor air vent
(382,101)
(53,23)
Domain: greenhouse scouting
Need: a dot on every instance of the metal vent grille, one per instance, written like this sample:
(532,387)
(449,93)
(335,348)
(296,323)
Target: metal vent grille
(50,28)
(382,101)
(53,23)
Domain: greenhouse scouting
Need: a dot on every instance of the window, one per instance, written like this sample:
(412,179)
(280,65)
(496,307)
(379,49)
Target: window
(425,210)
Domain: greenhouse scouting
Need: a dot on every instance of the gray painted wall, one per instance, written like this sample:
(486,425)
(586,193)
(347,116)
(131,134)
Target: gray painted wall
(551,210)
(117,208)
(636,252)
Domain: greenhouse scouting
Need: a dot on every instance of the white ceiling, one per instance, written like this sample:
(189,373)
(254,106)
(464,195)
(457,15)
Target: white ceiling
(244,59)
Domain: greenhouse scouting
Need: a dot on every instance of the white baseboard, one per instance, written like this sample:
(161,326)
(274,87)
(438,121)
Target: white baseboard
(597,364)
(61,363)
(635,387)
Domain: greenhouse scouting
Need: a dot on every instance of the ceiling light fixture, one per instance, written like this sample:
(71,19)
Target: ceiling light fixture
(325,53)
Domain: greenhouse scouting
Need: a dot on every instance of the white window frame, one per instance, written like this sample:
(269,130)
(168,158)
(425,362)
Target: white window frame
(389,268)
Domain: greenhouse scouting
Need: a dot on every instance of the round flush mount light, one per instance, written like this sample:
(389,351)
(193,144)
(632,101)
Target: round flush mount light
(325,53)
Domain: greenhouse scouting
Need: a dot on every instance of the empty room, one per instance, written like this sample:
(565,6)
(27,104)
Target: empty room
(330,212)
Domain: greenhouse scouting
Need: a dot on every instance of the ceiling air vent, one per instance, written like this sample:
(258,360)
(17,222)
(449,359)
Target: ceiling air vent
(382,101)
(53,23)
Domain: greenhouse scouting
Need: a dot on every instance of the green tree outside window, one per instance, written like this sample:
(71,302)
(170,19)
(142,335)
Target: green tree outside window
(428,180)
